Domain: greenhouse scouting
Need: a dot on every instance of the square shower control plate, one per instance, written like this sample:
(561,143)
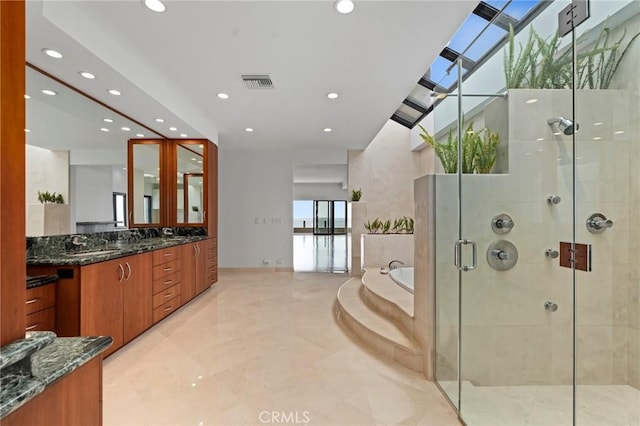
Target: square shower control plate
(582,256)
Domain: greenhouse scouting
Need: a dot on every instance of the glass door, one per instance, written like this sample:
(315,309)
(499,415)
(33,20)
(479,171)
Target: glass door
(322,217)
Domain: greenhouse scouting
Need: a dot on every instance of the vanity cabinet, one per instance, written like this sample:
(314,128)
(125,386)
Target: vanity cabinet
(115,299)
(195,270)
(212,261)
(41,308)
(173,183)
(167,281)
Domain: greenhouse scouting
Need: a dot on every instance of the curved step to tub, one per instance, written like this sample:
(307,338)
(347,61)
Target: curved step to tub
(382,295)
(379,332)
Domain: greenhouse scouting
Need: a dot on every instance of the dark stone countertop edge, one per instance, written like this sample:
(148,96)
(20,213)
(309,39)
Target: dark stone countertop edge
(11,400)
(41,280)
(113,252)
(15,351)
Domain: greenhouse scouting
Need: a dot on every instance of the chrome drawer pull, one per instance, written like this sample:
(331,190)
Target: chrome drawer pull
(168,254)
(168,295)
(31,327)
(168,282)
(168,268)
(28,302)
(168,308)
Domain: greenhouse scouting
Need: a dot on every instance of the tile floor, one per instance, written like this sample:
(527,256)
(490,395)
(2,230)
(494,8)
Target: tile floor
(320,253)
(263,349)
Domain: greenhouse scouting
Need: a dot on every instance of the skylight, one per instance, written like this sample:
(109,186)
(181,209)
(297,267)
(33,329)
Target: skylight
(478,38)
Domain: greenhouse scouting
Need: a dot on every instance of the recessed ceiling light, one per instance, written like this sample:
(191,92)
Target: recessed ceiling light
(599,123)
(327,129)
(140,135)
(344,6)
(619,132)
(126,129)
(332,95)
(108,120)
(27,131)
(540,139)
(183,135)
(155,5)
(104,129)
(52,53)
(223,95)
(88,75)
(557,133)
(114,92)
(49,92)
(27,97)
(531,101)
(173,129)
(248,129)
(597,138)
(159,120)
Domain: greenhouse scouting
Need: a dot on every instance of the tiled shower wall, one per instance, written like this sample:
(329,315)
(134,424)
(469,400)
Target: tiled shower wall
(508,336)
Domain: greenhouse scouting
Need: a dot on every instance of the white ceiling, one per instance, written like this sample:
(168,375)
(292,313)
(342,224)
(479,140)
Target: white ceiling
(171,65)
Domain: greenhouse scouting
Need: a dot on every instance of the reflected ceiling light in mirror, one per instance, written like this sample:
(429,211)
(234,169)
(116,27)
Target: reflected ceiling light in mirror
(126,129)
(87,75)
(173,129)
(108,120)
(200,161)
(159,120)
(332,95)
(149,175)
(114,92)
(248,129)
(27,97)
(194,159)
(49,92)
(327,130)
(201,146)
(27,131)
(344,6)
(52,53)
(155,5)
(222,95)
(104,129)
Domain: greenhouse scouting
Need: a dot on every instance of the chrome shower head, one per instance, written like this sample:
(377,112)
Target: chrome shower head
(565,125)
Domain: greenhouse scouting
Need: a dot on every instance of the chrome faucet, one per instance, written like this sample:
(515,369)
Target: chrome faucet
(79,240)
(392,264)
(167,231)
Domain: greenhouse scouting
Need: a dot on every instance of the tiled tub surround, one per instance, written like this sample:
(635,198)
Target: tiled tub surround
(30,365)
(60,250)
(509,338)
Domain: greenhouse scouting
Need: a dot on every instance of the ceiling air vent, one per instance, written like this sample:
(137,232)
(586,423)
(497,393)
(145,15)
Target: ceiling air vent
(257,81)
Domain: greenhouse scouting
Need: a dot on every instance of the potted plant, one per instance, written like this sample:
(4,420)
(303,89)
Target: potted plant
(356,194)
(50,198)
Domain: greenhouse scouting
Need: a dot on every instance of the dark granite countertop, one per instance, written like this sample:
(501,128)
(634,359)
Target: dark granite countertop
(110,250)
(40,280)
(31,364)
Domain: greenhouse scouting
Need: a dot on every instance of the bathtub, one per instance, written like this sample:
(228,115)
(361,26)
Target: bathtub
(403,277)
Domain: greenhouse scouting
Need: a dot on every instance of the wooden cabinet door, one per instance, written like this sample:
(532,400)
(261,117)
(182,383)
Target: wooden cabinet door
(138,295)
(188,283)
(101,301)
(200,266)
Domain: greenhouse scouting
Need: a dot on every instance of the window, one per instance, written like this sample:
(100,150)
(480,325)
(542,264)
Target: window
(120,209)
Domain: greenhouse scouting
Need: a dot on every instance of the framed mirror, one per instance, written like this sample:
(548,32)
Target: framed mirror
(190,183)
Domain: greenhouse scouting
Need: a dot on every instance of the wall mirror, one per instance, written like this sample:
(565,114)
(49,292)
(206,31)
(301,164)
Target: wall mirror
(77,147)
(190,183)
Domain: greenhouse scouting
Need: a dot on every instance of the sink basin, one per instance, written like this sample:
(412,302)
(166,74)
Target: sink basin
(92,253)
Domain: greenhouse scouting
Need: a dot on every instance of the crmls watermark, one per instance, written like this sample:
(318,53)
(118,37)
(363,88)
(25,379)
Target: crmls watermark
(279,417)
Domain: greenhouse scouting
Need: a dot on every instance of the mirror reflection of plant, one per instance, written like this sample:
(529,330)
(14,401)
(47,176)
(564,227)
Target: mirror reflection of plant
(50,198)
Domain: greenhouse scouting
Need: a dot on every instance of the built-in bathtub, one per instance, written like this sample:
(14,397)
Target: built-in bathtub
(403,277)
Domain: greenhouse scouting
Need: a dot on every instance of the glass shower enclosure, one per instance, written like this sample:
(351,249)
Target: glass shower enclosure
(537,311)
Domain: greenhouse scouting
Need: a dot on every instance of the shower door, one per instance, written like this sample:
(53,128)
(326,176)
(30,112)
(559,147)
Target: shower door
(537,314)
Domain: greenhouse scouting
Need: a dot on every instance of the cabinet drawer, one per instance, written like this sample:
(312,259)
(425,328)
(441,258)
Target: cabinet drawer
(166,309)
(166,295)
(164,283)
(44,320)
(166,255)
(39,298)
(166,269)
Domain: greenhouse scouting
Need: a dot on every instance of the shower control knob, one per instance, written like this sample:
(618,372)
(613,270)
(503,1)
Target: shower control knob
(500,254)
(550,306)
(597,223)
(551,253)
(502,223)
(553,200)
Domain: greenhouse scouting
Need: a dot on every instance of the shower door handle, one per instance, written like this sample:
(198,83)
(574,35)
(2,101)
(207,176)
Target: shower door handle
(457,256)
